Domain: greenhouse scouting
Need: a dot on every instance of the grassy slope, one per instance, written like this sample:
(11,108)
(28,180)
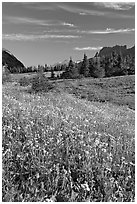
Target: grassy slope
(103,113)
(16,77)
(116,90)
(97,130)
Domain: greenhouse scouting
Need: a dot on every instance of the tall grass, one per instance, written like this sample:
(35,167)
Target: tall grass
(60,148)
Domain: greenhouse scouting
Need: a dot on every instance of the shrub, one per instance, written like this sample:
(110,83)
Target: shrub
(6,77)
(69,75)
(52,74)
(41,83)
(24,81)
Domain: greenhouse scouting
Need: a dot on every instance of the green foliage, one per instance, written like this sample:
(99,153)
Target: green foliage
(41,83)
(84,70)
(52,74)
(98,70)
(6,77)
(116,65)
(71,71)
(130,65)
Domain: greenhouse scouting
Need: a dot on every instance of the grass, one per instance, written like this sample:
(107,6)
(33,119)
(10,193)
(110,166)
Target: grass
(17,77)
(116,90)
(57,147)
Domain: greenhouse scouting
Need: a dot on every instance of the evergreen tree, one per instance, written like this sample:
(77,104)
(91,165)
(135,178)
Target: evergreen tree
(70,65)
(85,67)
(117,65)
(91,67)
(71,70)
(124,66)
(99,69)
(6,77)
(121,66)
(52,73)
(130,63)
(114,64)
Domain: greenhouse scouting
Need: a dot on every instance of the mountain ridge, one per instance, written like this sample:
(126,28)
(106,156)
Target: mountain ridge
(13,64)
(123,50)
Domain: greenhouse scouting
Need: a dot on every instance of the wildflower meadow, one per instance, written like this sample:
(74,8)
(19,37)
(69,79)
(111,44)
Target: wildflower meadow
(56,147)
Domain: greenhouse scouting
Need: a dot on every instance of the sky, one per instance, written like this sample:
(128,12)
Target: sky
(50,32)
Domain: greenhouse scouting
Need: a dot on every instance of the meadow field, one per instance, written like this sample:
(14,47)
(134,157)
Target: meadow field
(74,143)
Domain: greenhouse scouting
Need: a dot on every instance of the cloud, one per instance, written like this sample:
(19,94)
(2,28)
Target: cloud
(68,24)
(25,20)
(22,37)
(104,31)
(116,5)
(87,48)
(94,12)
(80,11)
(82,14)
(66,30)
(107,31)
(33,21)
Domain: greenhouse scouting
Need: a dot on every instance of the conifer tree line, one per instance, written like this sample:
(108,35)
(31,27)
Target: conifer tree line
(105,66)
(115,65)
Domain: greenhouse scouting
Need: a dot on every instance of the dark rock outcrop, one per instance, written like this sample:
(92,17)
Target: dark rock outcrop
(106,51)
(13,64)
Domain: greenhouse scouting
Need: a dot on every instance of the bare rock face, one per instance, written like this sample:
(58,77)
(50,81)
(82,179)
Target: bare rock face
(106,51)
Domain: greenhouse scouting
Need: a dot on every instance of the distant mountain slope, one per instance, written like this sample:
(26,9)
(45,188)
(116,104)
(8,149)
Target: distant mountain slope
(14,65)
(65,62)
(106,51)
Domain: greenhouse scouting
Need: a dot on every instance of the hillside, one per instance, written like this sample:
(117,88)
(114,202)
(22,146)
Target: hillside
(65,62)
(14,65)
(115,90)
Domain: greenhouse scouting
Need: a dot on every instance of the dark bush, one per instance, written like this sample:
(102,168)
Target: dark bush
(69,75)
(6,77)
(41,83)
(24,81)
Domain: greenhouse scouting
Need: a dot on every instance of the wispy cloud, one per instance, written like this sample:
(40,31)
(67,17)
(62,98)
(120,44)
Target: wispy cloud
(95,12)
(68,24)
(107,31)
(33,21)
(116,5)
(87,48)
(103,31)
(25,20)
(22,37)
(81,11)
(66,30)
